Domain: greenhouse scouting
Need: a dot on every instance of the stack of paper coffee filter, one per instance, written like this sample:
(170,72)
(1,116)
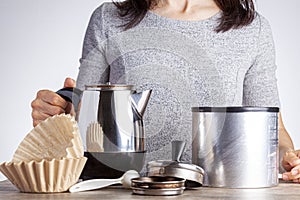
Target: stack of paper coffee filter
(49,159)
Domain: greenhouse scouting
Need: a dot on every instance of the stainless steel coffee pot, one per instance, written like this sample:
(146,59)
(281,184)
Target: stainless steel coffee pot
(110,119)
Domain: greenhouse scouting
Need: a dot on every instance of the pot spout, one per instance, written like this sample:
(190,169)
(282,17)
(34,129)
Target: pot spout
(140,101)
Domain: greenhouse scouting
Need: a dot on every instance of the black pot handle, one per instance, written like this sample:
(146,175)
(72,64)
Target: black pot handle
(72,95)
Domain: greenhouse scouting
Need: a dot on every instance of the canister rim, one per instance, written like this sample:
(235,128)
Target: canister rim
(235,109)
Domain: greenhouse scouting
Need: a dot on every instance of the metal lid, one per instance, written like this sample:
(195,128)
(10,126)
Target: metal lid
(175,164)
(235,109)
(192,173)
(157,185)
(158,192)
(109,87)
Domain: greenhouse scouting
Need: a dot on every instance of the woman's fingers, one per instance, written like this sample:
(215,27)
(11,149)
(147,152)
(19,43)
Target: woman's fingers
(291,163)
(294,174)
(291,159)
(46,104)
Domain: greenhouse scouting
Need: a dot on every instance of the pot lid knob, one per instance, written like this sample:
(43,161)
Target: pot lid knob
(177,150)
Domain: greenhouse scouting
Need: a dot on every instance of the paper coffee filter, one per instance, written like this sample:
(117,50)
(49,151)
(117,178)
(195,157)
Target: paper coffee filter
(55,138)
(44,176)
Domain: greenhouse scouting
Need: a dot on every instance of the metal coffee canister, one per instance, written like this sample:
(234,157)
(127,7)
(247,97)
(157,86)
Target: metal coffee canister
(236,146)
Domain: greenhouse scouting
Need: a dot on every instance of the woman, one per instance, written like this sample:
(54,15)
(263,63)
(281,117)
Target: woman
(191,53)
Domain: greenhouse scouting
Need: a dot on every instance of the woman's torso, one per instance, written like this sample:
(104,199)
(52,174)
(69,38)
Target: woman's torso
(185,63)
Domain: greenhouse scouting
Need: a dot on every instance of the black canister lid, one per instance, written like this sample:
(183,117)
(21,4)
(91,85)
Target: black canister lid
(235,109)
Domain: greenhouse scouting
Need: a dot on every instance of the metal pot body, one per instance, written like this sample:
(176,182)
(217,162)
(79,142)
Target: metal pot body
(110,120)
(112,131)
(108,111)
(236,146)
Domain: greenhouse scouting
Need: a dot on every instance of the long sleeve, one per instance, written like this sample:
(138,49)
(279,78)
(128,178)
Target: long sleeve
(94,68)
(260,83)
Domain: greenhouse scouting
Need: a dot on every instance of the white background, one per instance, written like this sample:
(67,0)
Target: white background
(40,45)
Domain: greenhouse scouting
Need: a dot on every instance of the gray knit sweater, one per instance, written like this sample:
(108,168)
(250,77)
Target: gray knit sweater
(186,63)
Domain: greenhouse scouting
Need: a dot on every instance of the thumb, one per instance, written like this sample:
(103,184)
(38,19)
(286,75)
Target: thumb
(69,82)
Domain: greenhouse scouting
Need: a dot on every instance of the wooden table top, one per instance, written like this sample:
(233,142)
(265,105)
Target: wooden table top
(284,191)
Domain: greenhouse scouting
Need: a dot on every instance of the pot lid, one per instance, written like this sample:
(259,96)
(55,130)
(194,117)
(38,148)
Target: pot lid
(108,86)
(175,164)
(192,173)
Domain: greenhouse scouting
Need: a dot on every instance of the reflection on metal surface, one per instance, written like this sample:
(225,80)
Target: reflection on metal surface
(94,138)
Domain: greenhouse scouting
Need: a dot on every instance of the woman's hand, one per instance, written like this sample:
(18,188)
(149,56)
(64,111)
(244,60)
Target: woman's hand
(291,163)
(47,103)
(290,157)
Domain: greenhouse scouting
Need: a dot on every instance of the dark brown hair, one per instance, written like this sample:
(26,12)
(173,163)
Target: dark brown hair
(235,13)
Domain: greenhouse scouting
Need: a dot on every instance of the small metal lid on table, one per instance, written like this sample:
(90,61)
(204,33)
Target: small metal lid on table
(158,186)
